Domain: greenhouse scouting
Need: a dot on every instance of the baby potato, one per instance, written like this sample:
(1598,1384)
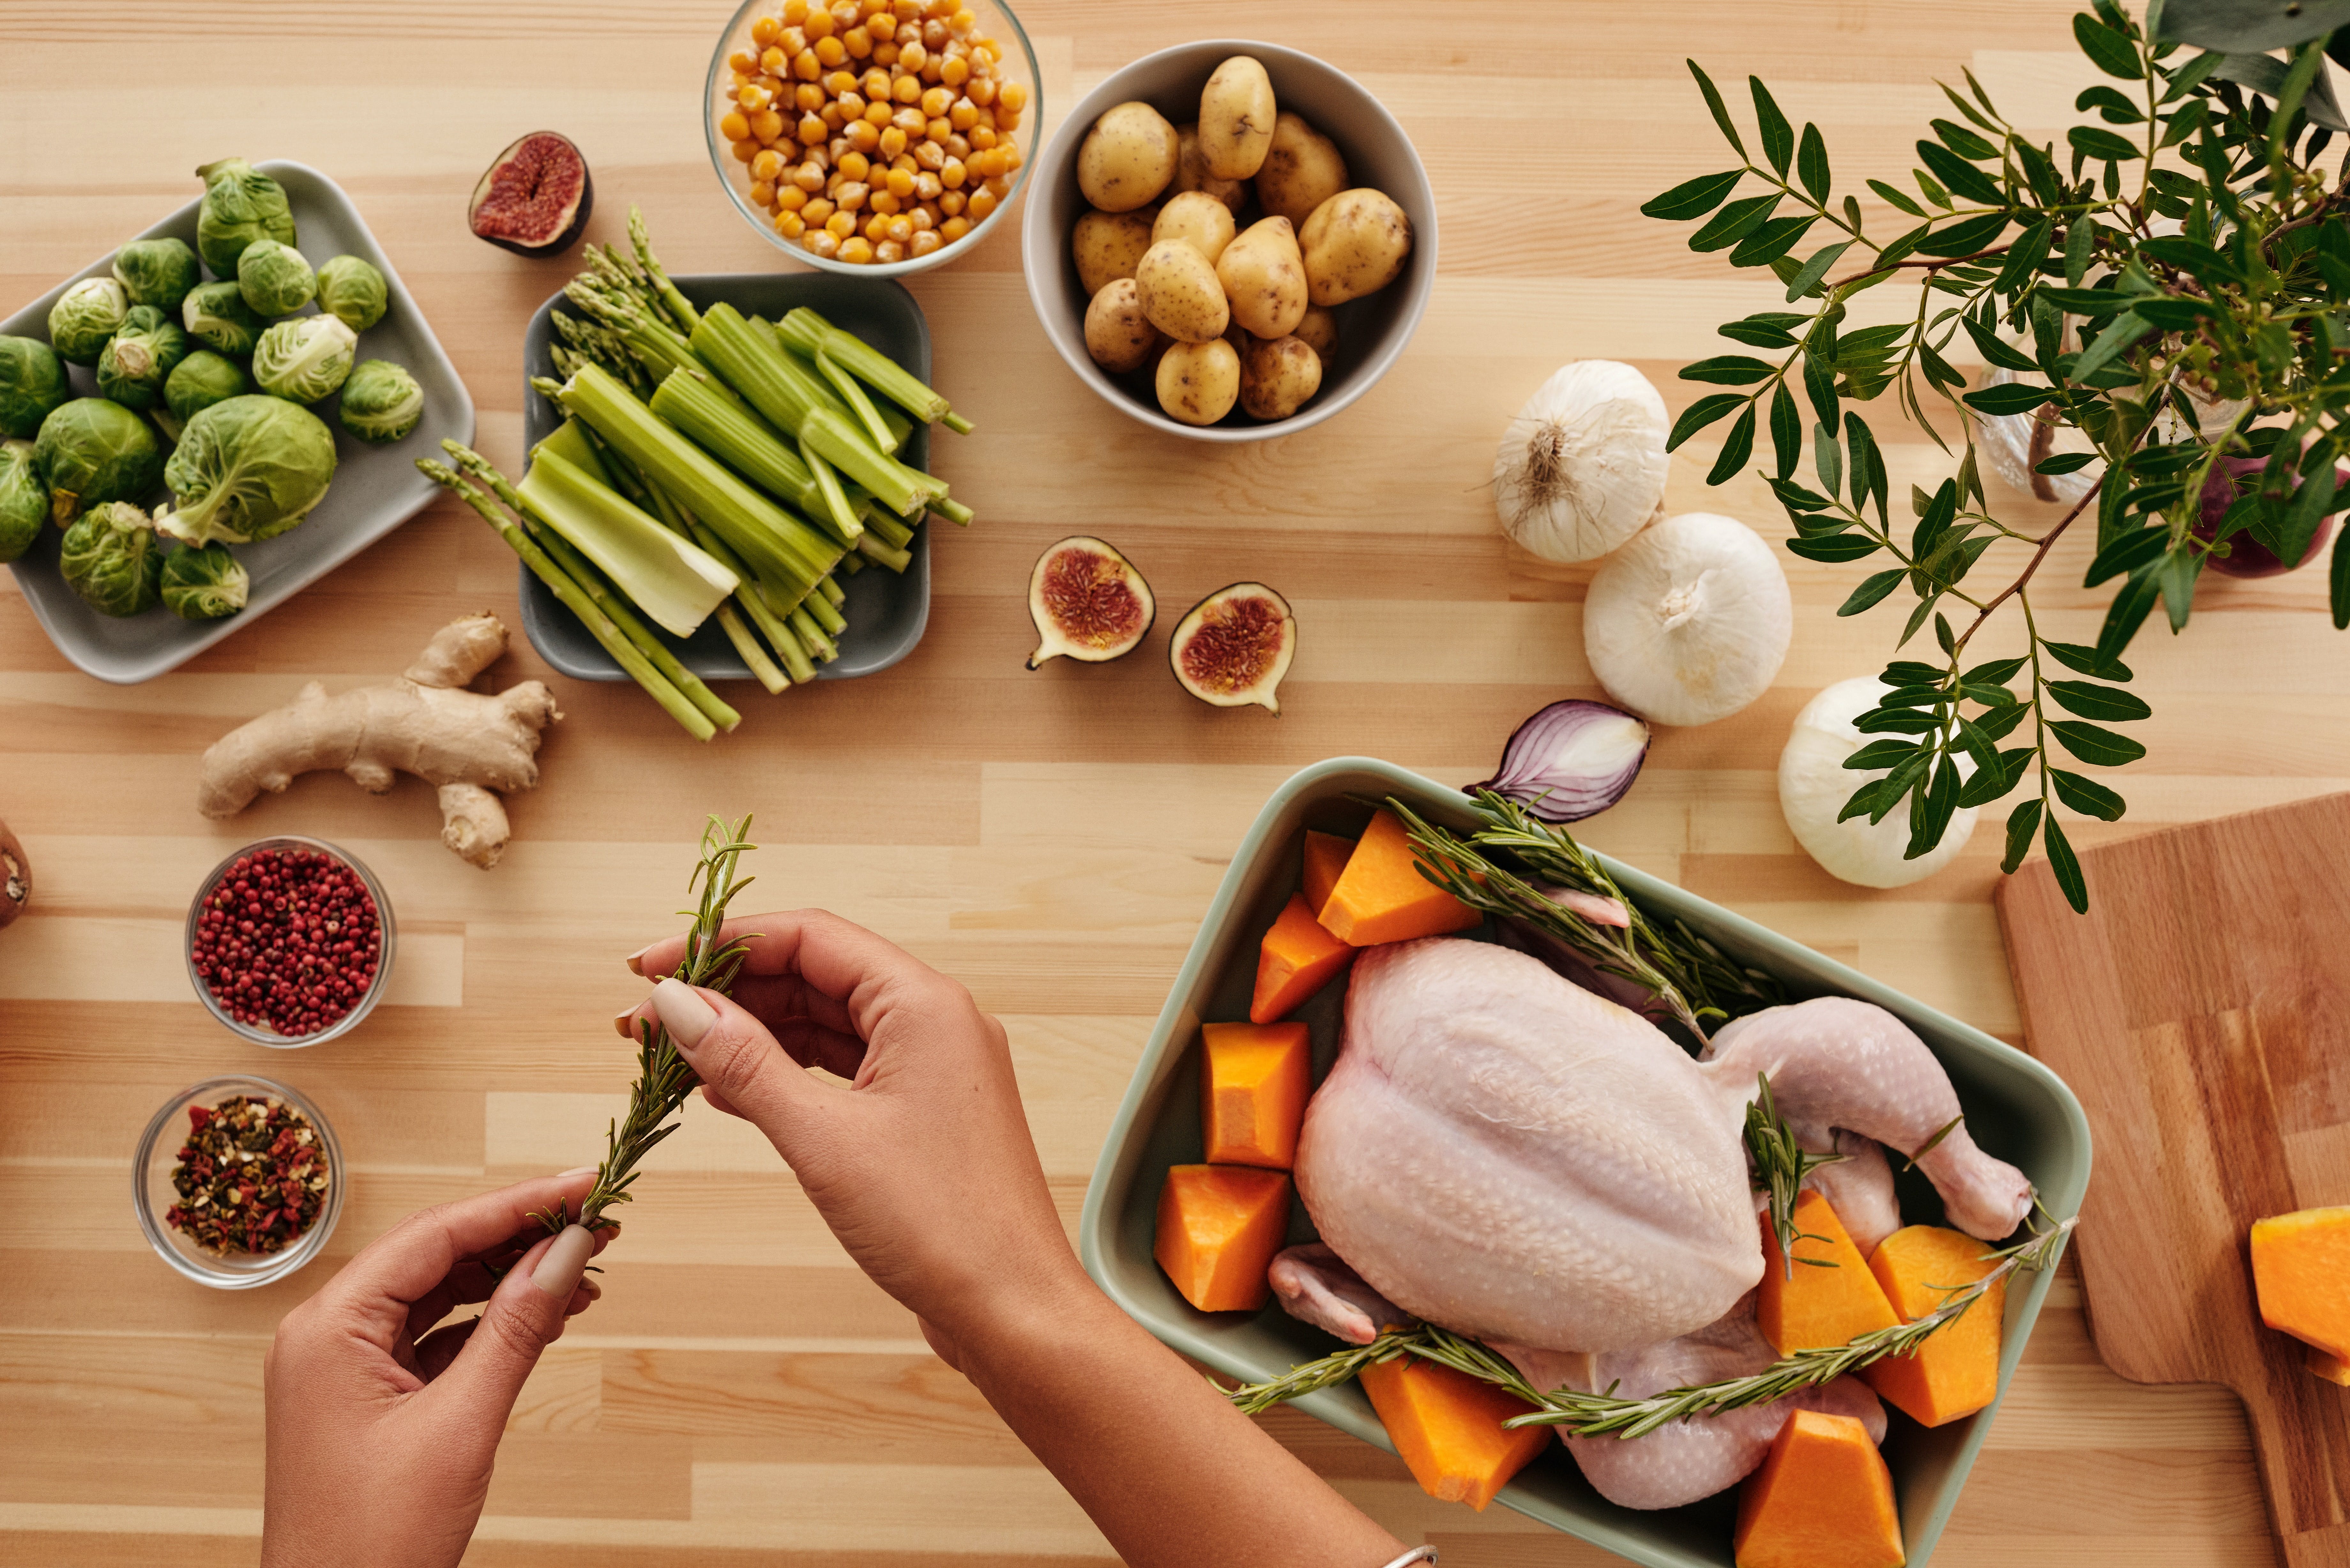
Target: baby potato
(1191,171)
(1107,245)
(1236,118)
(1263,279)
(1198,217)
(1354,245)
(1117,335)
(1301,169)
(1180,293)
(1317,329)
(1127,159)
(1199,382)
(1278,377)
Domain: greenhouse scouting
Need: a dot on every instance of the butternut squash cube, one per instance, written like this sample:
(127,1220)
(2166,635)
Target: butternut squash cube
(1956,1372)
(1448,1426)
(1822,1499)
(1815,1304)
(1381,896)
(1253,1080)
(1219,1227)
(1298,958)
(2332,1368)
(1325,859)
(2301,1271)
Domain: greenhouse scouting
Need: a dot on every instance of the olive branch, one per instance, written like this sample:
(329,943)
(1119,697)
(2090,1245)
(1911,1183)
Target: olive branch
(2053,267)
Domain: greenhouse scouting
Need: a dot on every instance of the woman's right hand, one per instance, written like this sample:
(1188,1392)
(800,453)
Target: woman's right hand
(922,1163)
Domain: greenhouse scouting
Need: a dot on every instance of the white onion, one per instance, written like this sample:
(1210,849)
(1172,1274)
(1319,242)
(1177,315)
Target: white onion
(1582,468)
(1814,785)
(1691,621)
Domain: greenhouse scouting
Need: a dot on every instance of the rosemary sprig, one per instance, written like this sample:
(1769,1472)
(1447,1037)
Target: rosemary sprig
(1779,1166)
(1605,1415)
(1690,976)
(663,1079)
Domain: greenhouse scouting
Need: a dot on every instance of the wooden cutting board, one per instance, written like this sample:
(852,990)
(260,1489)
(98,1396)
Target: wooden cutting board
(2201,1011)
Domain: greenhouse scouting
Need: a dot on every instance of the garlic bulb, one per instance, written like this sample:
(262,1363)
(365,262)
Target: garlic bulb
(1691,621)
(1814,785)
(1582,466)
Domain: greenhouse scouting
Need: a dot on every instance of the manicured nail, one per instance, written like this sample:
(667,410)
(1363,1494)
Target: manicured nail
(682,1011)
(632,959)
(622,1022)
(559,1271)
(576,1170)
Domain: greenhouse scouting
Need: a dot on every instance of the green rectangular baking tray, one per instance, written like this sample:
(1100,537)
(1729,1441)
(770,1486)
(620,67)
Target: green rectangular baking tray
(2015,1107)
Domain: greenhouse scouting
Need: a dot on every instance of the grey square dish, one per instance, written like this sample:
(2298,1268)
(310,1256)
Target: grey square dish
(375,488)
(886,610)
(2016,1108)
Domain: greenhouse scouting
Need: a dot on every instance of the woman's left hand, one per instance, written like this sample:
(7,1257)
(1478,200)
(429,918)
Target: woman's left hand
(381,1431)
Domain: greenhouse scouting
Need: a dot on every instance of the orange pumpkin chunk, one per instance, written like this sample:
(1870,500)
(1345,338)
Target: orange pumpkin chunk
(1325,859)
(1822,1499)
(1298,958)
(1811,1304)
(2332,1368)
(1382,897)
(2300,1270)
(1218,1226)
(1956,1372)
(1253,1080)
(1448,1426)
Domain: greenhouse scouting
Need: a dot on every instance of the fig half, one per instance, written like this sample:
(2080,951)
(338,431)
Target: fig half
(1088,601)
(535,199)
(16,876)
(1232,649)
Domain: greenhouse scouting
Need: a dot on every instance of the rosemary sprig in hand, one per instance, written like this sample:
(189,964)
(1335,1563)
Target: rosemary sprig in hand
(663,1079)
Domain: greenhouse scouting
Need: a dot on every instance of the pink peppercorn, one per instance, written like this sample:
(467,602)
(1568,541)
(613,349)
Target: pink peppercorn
(289,940)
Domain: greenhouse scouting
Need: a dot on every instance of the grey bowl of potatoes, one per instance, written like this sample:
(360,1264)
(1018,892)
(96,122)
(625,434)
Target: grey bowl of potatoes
(1229,240)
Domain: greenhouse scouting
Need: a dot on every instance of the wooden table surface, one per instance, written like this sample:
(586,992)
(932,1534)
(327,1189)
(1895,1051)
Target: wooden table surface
(742,1395)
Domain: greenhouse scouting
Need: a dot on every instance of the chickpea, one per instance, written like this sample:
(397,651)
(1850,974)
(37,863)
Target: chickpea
(881,30)
(963,114)
(954,70)
(934,34)
(851,194)
(830,50)
(893,142)
(734,126)
(885,54)
(819,212)
(831,116)
(790,225)
(981,91)
(877,113)
(859,42)
(807,96)
(912,56)
(936,103)
(791,198)
(819,24)
(752,95)
(763,30)
(908,91)
(888,251)
(875,227)
(768,165)
(863,137)
(953,229)
(926,186)
(822,243)
(901,228)
(951,203)
(925,216)
(767,125)
(877,85)
(852,104)
(957,146)
(745,151)
(794,12)
(859,250)
(807,65)
(925,242)
(981,137)
(743,62)
(931,156)
(856,166)
(841,225)
(982,202)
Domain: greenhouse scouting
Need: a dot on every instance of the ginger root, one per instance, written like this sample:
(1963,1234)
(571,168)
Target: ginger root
(466,744)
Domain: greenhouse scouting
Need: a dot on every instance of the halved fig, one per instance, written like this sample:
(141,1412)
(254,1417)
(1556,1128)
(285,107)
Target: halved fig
(535,199)
(16,876)
(1233,648)
(1088,601)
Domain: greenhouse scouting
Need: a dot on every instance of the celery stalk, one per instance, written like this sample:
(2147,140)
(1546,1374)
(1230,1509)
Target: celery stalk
(714,420)
(896,560)
(675,583)
(853,394)
(831,589)
(893,418)
(811,335)
(825,613)
(746,647)
(576,444)
(782,550)
(822,647)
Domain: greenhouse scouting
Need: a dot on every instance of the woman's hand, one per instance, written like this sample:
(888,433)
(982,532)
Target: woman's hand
(381,1431)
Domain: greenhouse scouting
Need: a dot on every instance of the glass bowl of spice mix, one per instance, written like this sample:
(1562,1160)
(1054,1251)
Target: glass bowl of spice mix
(290,941)
(238,1181)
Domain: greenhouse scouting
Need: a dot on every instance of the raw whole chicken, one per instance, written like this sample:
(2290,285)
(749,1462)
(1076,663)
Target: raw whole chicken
(1500,1152)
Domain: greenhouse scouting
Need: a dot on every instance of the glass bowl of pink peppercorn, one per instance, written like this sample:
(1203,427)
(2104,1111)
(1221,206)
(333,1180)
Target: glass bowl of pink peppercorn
(289,942)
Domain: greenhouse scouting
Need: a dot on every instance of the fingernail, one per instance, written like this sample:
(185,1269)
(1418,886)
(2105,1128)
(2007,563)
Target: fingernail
(595,1291)
(687,1017)
(578,1170)
(632,959)
(620,1022)
(560,1270)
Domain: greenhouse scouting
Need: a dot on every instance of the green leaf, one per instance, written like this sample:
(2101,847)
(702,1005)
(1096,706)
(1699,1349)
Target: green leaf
(1796,498)
(1998,672)
(2266,74)
(2065,462)
(2095,745)
(2061,860)
(2080,250)
(2111,106)
(1728,371)
(1786,432)
(1694,198)
(2338,580)
(1778,136)
(1701,413)
(1863,800)
(2093,701)
(2088,661)
(2024,256)
(1819,385)
(2120,333)
(1736,448)
(2108,49)
(2099,144)
(1897,198)
(2127,554)
(1935,519)
(1868,476)
(2130,609)
(1930,817)
(1960,177)
(1964,237)
(2249,26)
(1814,270)
(1988,343)
(2023,824)
(1834,548)
(1811,163)
(1713,104)
(1872,590)
(1991,783)
(1961,140)
(2087,796)
(1933,188)
(2090,302)
(1766,243)
(1881,754)
(1734,222)
(2010,398)
(2180,313)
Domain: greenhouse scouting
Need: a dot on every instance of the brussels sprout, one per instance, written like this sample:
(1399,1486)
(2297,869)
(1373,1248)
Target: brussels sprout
(247,469)
(91,451)
(203,380)
(113,559)
(32,383)
(275,279)
(381,403)
(139,357)
(215,314)
(304,359)
(157,272)
(23,505)
(352,289)
(85,317)
(205,585)
(240,206)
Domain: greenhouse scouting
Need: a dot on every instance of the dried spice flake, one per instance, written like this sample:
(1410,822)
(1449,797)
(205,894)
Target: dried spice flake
(251,1177)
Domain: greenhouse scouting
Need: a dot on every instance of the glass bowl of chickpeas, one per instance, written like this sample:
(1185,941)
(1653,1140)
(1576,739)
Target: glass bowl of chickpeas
(872,137)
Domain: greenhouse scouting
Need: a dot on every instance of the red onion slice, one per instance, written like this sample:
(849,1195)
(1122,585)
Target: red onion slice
(1574,759)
